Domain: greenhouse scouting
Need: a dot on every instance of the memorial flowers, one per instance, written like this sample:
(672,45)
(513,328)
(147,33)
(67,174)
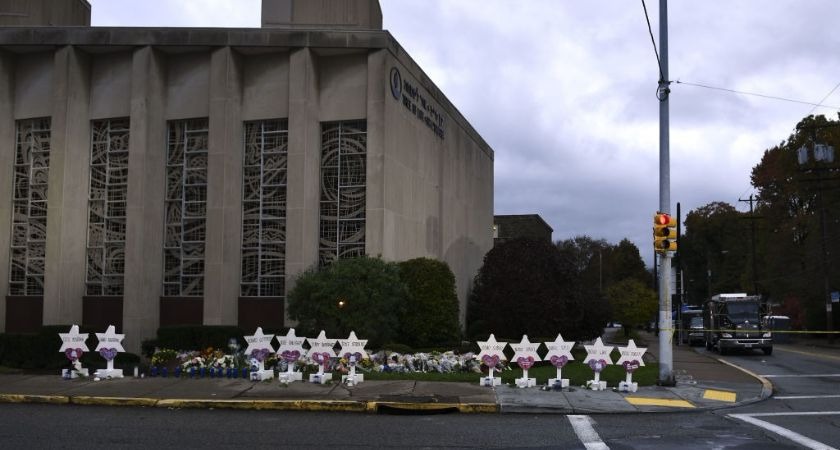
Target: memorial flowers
(446,362)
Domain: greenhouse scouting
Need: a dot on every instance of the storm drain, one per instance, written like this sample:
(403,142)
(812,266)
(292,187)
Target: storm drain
(416,405)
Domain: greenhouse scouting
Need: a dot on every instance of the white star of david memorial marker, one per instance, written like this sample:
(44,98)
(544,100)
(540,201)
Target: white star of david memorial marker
(559,354)
(73,340)
(259,346)
(321,350)
(525,355)
(631,359)
(73,345)
(491,354)
(353,349)
(290,350)
(110,339)
(598,357)
(110,343)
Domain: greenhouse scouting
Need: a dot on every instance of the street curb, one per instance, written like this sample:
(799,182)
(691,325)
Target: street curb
(283,405)
(766,385)
(330,405)
(260,405)
(112,401)
(27,398)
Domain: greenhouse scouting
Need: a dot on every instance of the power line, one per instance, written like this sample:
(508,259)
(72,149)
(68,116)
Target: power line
(823,99)
(653,41)
(772,97)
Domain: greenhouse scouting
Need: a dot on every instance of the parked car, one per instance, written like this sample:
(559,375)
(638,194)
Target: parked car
(695,331)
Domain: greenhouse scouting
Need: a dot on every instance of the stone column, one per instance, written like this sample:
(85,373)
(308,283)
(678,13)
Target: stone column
(146,190)
(7,157)
(222,258)
(375,190)
(304,170)
(64,277)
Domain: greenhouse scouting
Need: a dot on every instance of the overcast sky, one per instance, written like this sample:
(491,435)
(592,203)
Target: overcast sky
(563,91)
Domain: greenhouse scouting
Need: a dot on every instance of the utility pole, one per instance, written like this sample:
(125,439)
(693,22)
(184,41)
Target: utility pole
(821,154)
(666,328)
(752,241)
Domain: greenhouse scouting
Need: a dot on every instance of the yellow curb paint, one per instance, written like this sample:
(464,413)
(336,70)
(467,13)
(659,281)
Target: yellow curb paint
(723,396)
(25,398)
(478,408)
(112,401)
(647,401)
(766,385)
(289,405)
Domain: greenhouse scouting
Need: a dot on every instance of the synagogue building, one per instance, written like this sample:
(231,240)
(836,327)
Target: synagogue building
(165,176)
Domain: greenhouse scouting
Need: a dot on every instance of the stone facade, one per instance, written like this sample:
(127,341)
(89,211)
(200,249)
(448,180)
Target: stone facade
(175,214)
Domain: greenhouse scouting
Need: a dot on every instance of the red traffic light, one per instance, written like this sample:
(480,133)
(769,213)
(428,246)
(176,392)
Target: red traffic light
(665,220)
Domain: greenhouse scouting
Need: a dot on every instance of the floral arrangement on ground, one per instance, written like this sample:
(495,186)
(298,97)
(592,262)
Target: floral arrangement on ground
(384,364)
(379,362)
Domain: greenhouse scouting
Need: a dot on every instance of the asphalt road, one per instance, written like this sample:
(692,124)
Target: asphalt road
(805,407)
(806,380)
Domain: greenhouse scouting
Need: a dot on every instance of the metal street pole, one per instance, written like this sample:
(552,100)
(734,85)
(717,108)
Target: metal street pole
(666,329)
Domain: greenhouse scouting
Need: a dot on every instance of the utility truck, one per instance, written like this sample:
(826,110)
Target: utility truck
(733,322)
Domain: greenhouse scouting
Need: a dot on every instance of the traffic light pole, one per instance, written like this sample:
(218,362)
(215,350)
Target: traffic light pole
(666,328)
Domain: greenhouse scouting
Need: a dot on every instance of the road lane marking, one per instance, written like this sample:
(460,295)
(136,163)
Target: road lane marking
(784,432)
(724,396)
(804,397)
(650,401)
(586,433)
(818,355)
(815,375)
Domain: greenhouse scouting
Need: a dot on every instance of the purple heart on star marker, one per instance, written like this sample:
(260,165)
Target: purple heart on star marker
(559,361)
(357,355)
(108,353)
(490,361)
(597,366)
(525,363)
(73,353)
(322,358)
(259,354)
(631,366)
(290,355)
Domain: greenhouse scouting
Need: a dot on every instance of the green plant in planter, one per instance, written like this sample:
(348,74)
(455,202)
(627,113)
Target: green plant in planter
(164,357)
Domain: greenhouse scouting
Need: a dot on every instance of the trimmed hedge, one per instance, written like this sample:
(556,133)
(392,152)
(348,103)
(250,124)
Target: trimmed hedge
(199,337)
(40,350)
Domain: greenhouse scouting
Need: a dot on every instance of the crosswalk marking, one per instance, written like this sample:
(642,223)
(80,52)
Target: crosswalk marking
(586,433)
(784,432)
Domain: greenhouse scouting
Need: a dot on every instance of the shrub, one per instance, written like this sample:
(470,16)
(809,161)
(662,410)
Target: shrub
(528,287)
(431,313)
(361,294)
(197,337)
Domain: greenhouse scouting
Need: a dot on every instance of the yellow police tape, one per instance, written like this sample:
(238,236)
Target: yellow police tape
(697,330)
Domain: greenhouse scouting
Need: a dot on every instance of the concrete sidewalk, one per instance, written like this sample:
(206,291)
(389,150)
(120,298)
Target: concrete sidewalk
(703,382)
